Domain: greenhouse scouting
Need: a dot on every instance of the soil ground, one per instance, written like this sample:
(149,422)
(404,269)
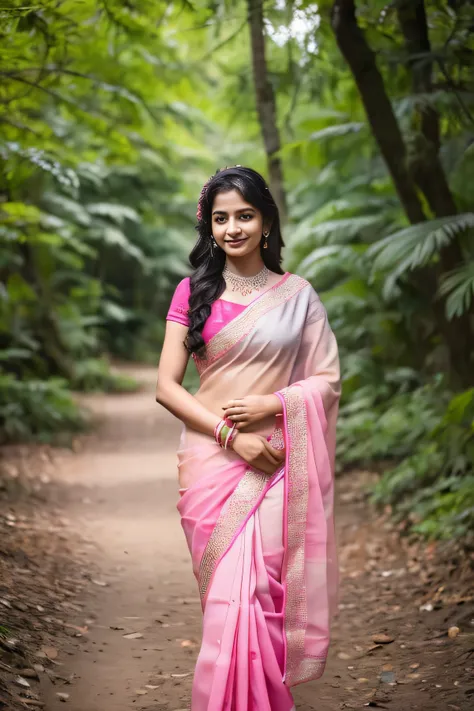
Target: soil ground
(130,606)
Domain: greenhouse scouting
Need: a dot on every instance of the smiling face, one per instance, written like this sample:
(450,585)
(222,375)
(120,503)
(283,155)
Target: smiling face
(237,226)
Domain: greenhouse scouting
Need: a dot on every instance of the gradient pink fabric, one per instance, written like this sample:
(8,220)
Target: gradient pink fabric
(263,547)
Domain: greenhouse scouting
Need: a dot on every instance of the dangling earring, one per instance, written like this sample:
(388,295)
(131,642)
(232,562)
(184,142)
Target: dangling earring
(265,244)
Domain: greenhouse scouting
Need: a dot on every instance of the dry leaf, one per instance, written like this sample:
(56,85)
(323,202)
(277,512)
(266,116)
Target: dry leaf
(453,632)
(382,638)
(133,635)
(50,652)
(22,682)
(62,696)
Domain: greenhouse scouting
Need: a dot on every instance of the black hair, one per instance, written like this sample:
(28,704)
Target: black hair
(208,259)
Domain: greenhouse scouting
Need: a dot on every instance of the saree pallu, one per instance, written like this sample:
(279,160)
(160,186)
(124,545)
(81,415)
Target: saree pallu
(263,546)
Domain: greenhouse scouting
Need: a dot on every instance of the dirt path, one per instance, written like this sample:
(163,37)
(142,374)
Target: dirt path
(121,497)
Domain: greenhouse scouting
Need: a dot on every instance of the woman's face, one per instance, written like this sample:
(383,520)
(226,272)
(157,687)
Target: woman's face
(237,226)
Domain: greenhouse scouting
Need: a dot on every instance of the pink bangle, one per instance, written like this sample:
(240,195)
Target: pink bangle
(217,431)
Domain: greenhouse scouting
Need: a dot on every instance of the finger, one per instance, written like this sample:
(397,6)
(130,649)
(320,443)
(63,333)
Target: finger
(269,456)
(278,454)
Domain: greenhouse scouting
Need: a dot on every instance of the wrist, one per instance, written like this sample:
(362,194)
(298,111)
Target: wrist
(273,404)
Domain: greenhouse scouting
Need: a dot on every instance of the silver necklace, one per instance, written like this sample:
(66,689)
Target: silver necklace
(245,285)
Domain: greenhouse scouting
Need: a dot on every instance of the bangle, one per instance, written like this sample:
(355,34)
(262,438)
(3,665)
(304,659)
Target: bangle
(217,430)
(231,436)
(224,431)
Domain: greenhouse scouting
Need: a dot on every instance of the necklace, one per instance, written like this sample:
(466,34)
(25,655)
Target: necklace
(245,285)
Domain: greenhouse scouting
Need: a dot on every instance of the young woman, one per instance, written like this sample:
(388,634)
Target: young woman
(257,451)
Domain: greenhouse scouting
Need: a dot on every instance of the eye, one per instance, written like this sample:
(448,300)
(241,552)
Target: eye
(247,217)
(218,219)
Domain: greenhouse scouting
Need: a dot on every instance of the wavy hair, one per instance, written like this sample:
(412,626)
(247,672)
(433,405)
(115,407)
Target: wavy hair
(207,282)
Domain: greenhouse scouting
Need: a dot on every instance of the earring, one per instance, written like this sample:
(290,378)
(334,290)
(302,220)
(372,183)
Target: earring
(265,244)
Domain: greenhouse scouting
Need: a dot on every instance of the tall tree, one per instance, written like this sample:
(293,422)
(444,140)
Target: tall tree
(266,104)
(422,173)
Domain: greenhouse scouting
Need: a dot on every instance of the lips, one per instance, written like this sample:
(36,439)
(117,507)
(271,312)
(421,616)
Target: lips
(236,242)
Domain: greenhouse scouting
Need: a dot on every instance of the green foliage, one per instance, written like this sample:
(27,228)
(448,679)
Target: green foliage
(36,409)
(112,117)
(434,485)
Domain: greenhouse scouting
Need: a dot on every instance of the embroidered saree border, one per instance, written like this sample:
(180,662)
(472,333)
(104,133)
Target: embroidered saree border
(241,325)
(299,666)
(233,516)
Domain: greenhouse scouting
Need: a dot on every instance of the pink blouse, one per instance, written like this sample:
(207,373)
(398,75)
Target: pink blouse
(222,312)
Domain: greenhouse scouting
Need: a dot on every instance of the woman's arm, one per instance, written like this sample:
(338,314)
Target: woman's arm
(255,450)
(169,391)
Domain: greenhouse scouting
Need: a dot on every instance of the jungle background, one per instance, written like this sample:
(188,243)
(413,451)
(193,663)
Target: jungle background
(361,116)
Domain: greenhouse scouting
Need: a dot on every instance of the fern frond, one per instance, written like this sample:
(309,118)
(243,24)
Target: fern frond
(417,244)
(458,286)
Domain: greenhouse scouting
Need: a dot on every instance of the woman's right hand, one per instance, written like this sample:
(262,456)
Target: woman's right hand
(258,452)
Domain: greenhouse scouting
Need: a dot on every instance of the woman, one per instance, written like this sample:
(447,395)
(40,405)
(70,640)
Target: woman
(257,451)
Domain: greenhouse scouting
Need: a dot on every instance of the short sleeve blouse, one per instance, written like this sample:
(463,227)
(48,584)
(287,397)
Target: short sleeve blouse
(222,311)
(179,306)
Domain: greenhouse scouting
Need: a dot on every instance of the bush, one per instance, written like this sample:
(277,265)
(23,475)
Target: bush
(36,409)
(430,436)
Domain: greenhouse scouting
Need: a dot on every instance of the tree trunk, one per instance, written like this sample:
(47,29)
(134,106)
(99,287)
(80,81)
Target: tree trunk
(266,105)
(428,174)
(428,171)
(383,122)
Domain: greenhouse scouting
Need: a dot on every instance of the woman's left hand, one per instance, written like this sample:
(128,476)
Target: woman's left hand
(252,408)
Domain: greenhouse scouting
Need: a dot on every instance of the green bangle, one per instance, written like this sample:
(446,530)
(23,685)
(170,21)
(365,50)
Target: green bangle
(223,434)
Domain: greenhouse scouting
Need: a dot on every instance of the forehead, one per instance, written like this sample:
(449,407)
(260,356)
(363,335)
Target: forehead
(230,202)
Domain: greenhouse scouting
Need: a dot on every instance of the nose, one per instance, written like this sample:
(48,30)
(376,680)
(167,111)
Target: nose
(233,227)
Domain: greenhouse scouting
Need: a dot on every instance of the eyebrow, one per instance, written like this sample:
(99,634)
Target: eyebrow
(223,212)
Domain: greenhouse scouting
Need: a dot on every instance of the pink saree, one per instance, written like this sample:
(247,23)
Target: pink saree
(263,547)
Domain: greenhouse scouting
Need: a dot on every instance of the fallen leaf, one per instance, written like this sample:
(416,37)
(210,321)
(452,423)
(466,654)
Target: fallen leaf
(50,652)
(382,638)
(141,692)
(101,583)
(133,635)
(62,696)
(22,682)
(453,632)
(152,686)
(28,673)
(180,676)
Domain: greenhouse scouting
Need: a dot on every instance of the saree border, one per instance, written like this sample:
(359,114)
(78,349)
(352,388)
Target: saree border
(300,667)
(242,324)
(233,516)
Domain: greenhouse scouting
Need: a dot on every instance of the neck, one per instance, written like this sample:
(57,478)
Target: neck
(246,266)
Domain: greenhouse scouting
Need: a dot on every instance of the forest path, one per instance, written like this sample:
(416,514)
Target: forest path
(121,497)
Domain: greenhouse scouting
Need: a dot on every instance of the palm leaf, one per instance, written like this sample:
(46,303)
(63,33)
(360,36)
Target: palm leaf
(458,286)
(417,244)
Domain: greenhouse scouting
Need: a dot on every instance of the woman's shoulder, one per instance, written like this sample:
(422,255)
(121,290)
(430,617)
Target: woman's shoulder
(299,281)
(184,287)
